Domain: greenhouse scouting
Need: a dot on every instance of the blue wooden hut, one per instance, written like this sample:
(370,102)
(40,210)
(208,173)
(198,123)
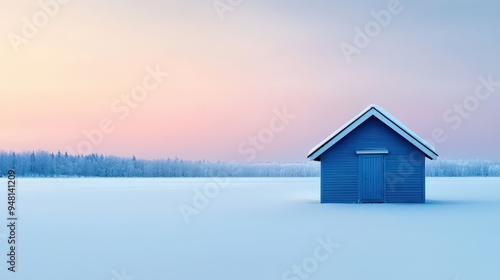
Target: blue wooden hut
(373,158)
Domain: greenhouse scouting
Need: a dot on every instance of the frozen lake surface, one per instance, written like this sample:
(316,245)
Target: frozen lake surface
(258,228)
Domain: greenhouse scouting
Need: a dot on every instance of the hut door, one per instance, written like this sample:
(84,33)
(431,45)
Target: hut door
(372,179)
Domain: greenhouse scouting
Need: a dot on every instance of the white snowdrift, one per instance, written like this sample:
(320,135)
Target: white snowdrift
(252,229)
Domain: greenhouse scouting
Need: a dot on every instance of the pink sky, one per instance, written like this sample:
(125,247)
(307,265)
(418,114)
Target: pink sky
(228,77)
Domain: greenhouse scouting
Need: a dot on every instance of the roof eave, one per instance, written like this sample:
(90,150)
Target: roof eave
(426,148)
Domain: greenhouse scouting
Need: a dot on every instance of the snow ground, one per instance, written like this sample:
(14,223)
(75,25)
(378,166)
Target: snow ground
(260,228)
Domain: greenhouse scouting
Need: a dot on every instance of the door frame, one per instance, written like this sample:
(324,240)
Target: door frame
(372,152)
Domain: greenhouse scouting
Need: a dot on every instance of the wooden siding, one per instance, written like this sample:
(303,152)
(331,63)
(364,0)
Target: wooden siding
(405,165)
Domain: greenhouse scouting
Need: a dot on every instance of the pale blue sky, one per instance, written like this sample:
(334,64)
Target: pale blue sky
(228,77)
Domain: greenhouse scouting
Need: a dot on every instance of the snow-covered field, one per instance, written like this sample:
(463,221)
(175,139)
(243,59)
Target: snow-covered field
(265,228)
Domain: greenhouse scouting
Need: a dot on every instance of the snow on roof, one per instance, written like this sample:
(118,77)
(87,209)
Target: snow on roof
(385,117)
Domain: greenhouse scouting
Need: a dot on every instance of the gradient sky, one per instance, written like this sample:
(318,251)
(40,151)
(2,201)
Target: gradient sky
(228,77)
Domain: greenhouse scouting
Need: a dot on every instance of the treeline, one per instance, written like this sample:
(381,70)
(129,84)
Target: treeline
(44,164)
(462,168)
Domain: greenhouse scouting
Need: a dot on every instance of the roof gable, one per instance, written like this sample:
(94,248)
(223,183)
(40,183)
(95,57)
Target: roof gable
(386,118)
